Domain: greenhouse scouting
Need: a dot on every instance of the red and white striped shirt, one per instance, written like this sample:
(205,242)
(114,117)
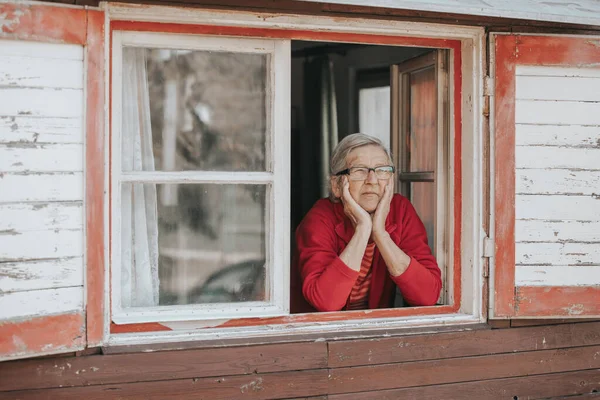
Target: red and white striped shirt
(359,296)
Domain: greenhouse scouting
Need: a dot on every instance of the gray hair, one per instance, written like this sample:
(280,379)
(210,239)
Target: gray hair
(339,155)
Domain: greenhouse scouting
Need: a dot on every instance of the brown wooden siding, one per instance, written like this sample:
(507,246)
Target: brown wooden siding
(520,363)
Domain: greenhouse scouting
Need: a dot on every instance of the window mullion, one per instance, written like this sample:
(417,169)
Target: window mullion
(216,177)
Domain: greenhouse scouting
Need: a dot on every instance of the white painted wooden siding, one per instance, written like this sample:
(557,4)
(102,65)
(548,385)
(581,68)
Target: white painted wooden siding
(41,179)
(557,230)
(574,11)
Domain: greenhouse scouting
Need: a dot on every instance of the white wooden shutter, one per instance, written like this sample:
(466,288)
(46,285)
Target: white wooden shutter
(43,56)
(546,162)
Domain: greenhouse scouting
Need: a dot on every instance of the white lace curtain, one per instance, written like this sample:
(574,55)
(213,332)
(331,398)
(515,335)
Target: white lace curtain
(139,221)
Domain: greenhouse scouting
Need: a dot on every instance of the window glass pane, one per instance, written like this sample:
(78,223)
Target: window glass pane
(193,110)
(207,248)
(422,197)
(374,113)
(423,117)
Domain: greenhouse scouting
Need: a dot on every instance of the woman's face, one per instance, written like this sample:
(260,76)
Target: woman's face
(368,192)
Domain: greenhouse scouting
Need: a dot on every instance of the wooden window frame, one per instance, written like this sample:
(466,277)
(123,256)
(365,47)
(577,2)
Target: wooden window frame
(465,45)
(400,75)
(273,178)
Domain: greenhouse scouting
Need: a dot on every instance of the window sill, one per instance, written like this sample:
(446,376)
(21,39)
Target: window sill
(254,335)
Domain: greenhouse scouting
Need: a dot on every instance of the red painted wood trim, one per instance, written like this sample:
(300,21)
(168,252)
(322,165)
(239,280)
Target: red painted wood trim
(42,335)
(143,327)
(504,177)
(558,50)
(94,177)
(43,23)
(560,301)
(457,138)
(454,45)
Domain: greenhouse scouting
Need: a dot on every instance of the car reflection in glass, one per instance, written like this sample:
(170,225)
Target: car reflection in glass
(239,282)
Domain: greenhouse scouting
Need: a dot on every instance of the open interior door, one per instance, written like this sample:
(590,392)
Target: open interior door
(546,176)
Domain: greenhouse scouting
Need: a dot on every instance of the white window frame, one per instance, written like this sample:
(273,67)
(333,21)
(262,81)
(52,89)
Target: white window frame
(274,178)
(472,232)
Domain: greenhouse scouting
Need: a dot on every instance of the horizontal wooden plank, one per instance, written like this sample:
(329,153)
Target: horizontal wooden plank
(25,129)
(40,336)
(557,231)
(558,88)
(35,217)
(41,188)
(557,275)
(35,303)
(44,73)
(44,102)
(557,302)
(556,208)
(165,365)
(460,344)
(517,323)
(557,157)
(378,377)
(557,181)
(557,135)
(558,254)
(33,245)
(45,158)
(536,70)
(276,385)
(46,274)
(557,112)
(522,387)
(33,49)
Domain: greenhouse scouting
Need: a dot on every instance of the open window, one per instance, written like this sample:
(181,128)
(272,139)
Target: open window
(546,163)
(399,95)
(218,150)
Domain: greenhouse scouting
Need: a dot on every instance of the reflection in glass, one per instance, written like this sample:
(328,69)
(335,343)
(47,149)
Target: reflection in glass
(374,113)
(423,117)
(206,109)
(422,197)
(210,248)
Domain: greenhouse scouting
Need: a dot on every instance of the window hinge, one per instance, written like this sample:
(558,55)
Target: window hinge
(488,247)
(488,84)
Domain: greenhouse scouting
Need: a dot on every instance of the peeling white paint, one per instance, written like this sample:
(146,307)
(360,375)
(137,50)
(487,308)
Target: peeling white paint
(253,386)
(9,22)
(557,178)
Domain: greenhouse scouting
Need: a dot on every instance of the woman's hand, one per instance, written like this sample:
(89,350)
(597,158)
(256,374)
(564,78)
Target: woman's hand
(359,217)
(383,209)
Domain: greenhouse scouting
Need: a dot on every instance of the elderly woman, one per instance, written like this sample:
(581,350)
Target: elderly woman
(356,247)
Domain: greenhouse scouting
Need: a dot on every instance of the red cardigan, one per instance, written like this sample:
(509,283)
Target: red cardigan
(321,281)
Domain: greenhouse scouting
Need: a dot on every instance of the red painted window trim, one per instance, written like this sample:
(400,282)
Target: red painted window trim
(94,178)
(58,24)
(296,34)
(529,301)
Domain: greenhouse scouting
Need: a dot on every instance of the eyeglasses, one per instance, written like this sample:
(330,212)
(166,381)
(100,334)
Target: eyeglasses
(361,173)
